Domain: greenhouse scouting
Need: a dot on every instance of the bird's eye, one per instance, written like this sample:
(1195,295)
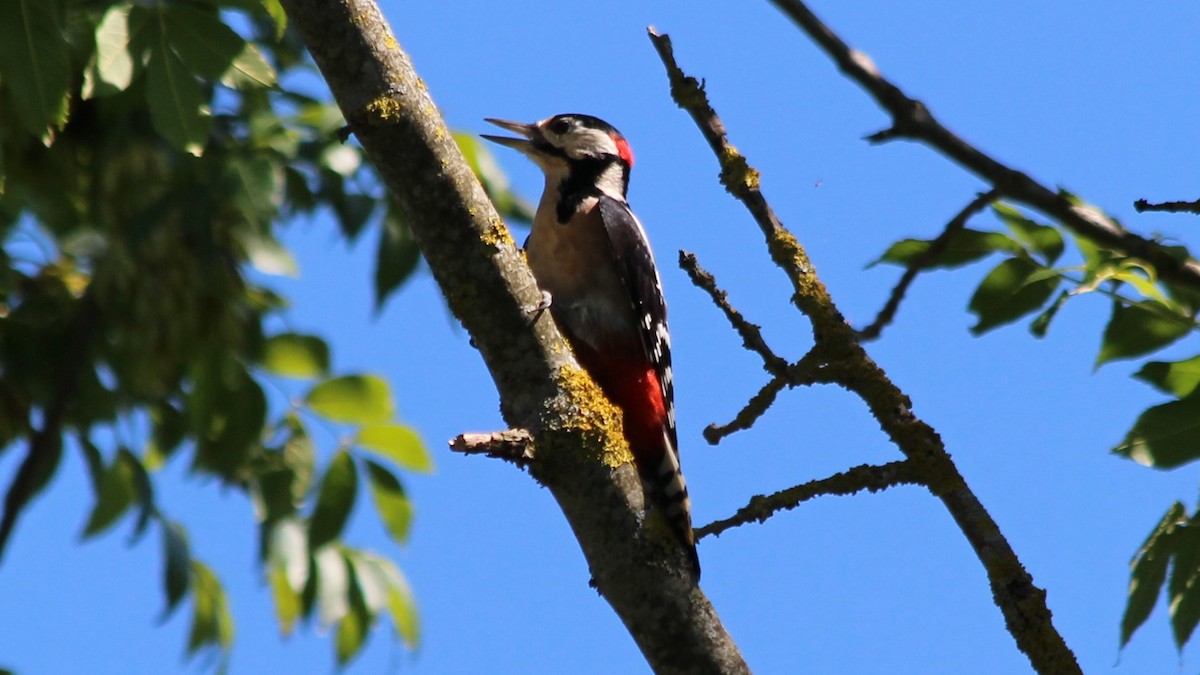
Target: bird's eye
(560,126)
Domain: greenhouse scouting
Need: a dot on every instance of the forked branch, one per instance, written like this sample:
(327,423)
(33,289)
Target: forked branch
(842,360)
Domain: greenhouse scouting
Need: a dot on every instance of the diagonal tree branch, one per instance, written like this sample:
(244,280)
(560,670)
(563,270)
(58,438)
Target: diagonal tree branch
(856,479)
(847,364)
(913,120)
(581,456)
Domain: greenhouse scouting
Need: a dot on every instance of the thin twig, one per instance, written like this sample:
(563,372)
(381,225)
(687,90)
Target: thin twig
(747,416)
(865,477)
(752,338)
(927,258)
(512,445)
(1170,207)
(912,119)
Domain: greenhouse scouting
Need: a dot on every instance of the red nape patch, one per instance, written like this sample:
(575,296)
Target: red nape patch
(623,149)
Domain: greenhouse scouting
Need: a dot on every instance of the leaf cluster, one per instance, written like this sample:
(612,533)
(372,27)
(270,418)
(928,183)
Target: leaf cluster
(1146,315)
(149,154)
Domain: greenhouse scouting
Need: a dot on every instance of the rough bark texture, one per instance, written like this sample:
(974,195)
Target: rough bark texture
(579,453)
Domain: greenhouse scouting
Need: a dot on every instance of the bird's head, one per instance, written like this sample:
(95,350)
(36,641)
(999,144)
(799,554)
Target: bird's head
(573,145)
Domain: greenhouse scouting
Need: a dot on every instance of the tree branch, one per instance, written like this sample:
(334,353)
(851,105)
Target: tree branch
(512,445)
(582,457)
(856,479)
(748,415)
(752,338)
(913,120)
(847,364)
(927,258)
(1170,207)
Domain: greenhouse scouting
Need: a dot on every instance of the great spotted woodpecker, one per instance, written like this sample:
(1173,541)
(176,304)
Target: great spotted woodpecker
(590,253)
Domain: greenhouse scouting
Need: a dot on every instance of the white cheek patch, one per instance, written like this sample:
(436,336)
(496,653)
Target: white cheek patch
(589,143)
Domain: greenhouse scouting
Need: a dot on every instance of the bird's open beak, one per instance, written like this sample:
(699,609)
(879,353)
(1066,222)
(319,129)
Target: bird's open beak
(529,133)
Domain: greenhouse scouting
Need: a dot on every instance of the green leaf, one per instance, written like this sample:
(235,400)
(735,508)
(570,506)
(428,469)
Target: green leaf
(287,570)
(177,106)
(353,211)
(116,495)
(370,581)
(300,457)
(34,59)
(965,247)
(284,476)
(1183,587)
(211,623)
(1007,294)
(95,463)
(144,489)
(352,399)
(335,501)
(1139,329)
(205,45)
(398,443)
(112,67)
(1042,323)
(392,504)
(227,409)
(401,605)
(353,628)
(287,601)
(288,550)
(1148,571)
(1179,378)
(1164,436)
(168,431)
(275,10)
(254,185)
(177,564)
(1042,240)
(295,355)
(333,585)
(249,70)
(396,258)
(1142,278)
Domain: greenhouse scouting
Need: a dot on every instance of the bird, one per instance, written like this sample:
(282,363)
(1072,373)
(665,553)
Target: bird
(590,254)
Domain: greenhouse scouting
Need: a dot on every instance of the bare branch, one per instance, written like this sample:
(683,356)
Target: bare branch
(912,119)
(927,258)
(747,416)
(857,479)
(845,362)
(512,445)
(1170,207)
(751,334)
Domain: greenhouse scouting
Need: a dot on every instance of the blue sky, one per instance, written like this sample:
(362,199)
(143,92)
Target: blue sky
(1098,97)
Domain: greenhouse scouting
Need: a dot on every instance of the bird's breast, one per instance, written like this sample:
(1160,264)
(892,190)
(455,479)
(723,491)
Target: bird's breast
(574,262)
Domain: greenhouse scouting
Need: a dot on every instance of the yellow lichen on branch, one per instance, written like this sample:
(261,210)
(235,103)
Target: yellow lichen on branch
(385,109)
(594,418)
(738,177)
